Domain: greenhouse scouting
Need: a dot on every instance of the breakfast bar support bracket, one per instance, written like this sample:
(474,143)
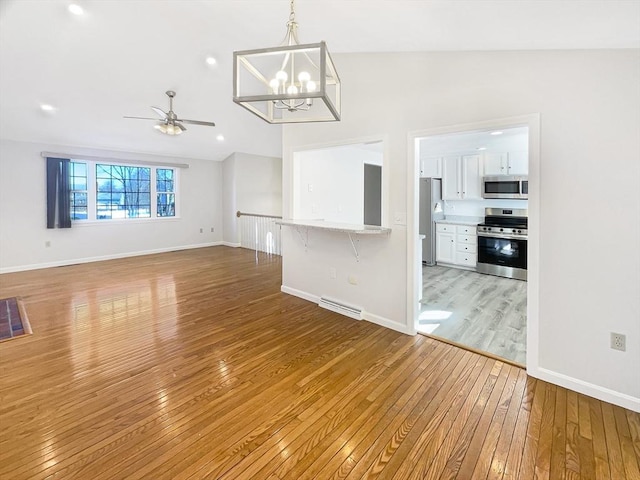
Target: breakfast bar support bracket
(305,237)
(353,245)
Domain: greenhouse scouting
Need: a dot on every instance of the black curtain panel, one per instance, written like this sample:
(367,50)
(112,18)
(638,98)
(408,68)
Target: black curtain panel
(58,193)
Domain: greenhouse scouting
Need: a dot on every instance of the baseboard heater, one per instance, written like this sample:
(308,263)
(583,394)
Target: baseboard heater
(339,307)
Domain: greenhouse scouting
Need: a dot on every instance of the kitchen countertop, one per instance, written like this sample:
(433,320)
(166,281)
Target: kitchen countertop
(336,226)
(461,220)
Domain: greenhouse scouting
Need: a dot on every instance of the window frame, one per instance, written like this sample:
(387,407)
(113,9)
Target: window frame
(92,191)
(165,192)
(73,191)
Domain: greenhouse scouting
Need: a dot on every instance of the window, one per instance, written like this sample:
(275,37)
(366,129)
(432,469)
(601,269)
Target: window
(165,193)
(102,191)
(123,192)
(78,185)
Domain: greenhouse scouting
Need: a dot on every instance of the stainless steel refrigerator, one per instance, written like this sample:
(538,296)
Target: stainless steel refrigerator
(430,210)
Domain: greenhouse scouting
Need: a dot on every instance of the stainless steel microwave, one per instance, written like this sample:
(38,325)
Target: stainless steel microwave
(506,186)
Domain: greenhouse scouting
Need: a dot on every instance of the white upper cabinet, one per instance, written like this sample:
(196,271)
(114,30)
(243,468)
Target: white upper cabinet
(495,164)
(506,163)
(451,183)
(431,167)
(462,177)
(518,163)
(472,177)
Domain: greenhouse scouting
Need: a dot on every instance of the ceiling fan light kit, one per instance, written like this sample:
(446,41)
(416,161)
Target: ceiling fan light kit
(168,128)
(291,83)
(168,122)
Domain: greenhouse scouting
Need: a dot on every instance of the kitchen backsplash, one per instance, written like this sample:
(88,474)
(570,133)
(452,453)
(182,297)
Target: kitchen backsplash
(475,208)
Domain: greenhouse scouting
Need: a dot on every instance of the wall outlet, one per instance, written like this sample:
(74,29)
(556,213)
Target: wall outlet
(310,187)
(333,274)
(202,230)
(618,341)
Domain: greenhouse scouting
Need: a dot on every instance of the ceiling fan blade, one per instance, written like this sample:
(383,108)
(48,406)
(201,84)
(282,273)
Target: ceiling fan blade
(143,118)
(161,113)
(180,126)
(198,122)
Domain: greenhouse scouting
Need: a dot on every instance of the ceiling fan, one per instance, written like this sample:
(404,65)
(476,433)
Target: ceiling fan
(169,122)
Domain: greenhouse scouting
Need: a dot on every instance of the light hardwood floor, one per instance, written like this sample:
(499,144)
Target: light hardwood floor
(193,364)
(484,312)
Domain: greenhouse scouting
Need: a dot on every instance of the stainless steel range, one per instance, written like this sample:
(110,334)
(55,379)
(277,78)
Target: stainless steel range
(502,243)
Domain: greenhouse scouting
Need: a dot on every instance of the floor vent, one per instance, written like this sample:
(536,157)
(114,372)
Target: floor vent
(338,307)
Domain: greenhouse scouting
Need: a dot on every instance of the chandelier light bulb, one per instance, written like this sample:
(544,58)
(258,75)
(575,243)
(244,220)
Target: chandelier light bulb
(304,77)
(75,9)
(275,85)
(292,90)
(282,76)
(311,86)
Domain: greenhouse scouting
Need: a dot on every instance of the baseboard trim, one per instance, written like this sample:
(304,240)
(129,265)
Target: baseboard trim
(387,323)
(74,261)
(370,317)
(300,294)
(229,244)
(601,393)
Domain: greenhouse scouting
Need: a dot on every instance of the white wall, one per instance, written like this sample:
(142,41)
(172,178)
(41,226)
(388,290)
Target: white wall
(252,184)
(23,231)
(258,184)
(589,233)
(229,204)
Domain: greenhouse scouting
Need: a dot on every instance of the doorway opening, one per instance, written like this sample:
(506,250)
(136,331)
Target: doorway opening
(340,183)
(455,300)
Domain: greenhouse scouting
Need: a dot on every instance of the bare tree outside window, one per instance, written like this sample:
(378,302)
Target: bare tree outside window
(123,191)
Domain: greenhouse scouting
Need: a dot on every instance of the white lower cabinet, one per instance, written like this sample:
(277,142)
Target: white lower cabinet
(445,247)
(456,245)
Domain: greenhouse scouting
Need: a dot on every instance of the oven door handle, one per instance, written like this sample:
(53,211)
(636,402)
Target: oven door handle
(502,236)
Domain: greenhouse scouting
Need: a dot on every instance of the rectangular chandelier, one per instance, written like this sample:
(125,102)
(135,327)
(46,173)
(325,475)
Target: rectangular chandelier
(288,84)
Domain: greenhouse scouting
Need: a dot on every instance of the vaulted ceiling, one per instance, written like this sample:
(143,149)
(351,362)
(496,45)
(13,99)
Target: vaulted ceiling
(121,56)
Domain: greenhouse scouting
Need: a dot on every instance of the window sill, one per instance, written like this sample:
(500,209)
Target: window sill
(92,223)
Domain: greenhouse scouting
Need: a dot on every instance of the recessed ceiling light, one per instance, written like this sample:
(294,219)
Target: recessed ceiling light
(220,138)
(75,9)
(47,108)
(497,132)
(482,148)
(211,61)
